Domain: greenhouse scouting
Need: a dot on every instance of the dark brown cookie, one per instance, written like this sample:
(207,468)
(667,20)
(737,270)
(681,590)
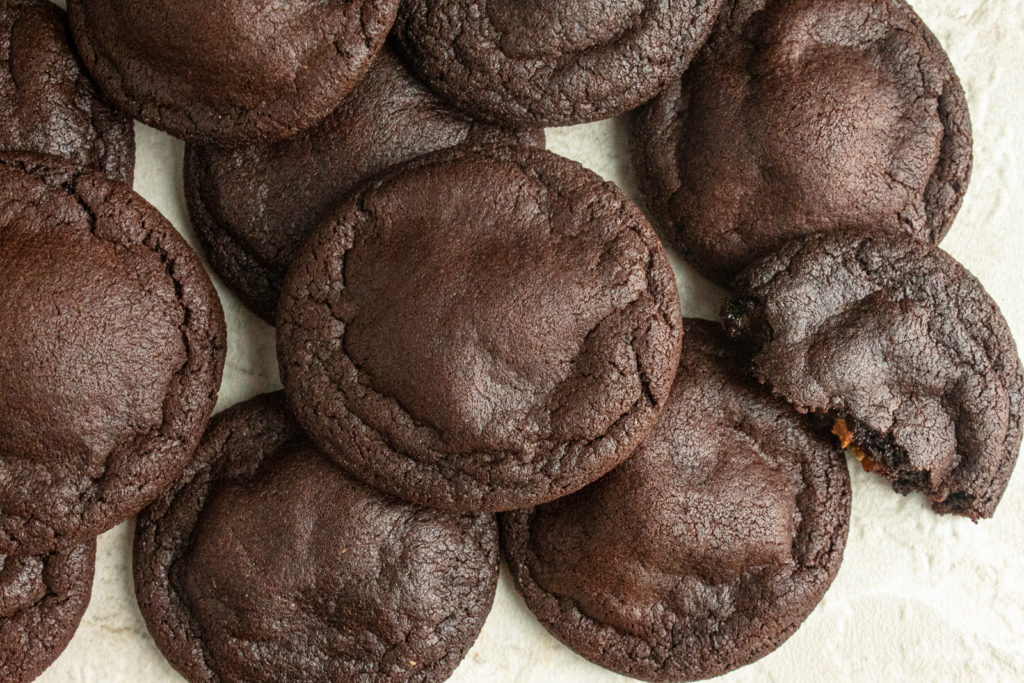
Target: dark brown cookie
(800,116)
(112,345)
(252,206)
(902,348)
(548,62)
(42,599)
(229,71)
(706,549)
(47,103)
(266,562)
(480,329)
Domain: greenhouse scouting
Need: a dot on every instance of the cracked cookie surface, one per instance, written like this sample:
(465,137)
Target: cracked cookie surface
(898,340)
(230,71)
(703,551)
(42,599)
(480,329)
(267,562)
(112,350)
(800,116)
(48,104)
(526,63)
(252,206)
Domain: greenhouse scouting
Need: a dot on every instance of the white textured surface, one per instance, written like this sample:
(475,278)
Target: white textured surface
(919,597)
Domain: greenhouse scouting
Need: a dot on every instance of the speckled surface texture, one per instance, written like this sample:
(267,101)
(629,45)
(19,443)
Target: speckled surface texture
(918,597)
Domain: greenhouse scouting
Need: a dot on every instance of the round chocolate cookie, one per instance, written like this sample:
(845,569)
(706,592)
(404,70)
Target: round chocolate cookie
(252,206)
(266,562)
(800,116)
(42,599)
(229,71)
(706,549)
(526,63)
(900,351)
(47,103)
(112,345)
(480,329)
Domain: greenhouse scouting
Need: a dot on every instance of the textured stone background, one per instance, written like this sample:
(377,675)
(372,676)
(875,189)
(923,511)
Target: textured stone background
(918,597)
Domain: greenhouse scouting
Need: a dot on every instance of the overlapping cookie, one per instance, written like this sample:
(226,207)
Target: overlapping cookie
(900,350)
(800,116)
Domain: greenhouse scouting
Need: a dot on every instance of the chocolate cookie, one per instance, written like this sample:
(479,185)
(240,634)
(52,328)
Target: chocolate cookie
(266,562)
(480,329)
(900,350)
(548,62)
(800,116)
(229,71)
(42,599)
(47,103)
(252,206)
(706,549)
(111,350)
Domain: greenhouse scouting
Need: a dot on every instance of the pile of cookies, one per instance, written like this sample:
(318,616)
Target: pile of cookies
(481,342)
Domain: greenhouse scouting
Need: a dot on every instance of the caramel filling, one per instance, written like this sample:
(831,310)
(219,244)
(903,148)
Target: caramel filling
(841,430)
